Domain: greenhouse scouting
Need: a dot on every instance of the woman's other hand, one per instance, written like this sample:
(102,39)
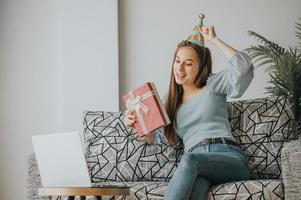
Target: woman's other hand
(130,118)
(208,32)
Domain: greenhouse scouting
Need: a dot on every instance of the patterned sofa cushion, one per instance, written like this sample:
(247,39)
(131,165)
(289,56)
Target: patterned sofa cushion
(245,190)
(261,126)
(115,153)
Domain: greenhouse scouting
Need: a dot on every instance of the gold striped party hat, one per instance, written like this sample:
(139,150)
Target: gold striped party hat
(196,37)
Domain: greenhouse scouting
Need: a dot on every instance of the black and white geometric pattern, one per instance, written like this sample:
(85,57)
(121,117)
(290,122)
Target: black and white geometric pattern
(115,154)
(248,190)
(261,126)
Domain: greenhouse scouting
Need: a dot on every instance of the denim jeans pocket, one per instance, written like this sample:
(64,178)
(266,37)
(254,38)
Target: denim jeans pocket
(219,148)
(238,151)
(235,149)
(199,148)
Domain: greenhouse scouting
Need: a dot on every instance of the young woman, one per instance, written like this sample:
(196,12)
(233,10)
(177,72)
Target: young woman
(196,104)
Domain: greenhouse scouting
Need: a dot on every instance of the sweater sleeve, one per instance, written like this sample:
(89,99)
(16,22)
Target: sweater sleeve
(160,137)
(235,79)
(161,140)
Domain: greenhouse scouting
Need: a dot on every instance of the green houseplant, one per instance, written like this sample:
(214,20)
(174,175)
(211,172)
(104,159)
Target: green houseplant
(284,67)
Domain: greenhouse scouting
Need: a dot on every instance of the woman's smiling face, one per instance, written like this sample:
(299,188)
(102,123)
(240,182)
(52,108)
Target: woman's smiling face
(186,66)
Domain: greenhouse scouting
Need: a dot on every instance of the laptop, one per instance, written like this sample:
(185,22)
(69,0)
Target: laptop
(61,160)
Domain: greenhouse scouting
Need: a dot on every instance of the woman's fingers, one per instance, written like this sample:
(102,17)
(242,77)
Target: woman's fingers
(208,32)
(129,122)
(133,117)
(130,118)
(205,29)
(130,115)
(128,112)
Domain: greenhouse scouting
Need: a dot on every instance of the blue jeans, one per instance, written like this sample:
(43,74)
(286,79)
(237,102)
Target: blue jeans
(206,166)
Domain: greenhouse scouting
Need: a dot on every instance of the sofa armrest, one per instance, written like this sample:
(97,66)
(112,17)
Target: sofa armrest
(33,179)
(291,169)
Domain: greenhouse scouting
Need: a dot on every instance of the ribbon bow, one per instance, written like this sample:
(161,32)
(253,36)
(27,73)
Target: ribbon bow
(134,103)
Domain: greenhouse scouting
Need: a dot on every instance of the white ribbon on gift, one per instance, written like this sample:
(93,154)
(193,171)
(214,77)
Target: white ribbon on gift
(134,103)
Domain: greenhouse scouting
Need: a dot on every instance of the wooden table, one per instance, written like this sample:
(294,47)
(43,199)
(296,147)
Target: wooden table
(83,192)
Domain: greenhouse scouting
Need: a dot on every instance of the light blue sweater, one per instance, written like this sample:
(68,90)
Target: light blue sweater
(205,115)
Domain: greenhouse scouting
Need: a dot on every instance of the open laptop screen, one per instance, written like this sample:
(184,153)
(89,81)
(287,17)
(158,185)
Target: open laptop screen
(61,160)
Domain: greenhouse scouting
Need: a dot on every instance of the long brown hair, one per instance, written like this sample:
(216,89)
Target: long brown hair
(175,91)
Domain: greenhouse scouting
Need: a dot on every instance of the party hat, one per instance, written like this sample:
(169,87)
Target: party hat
(196,37)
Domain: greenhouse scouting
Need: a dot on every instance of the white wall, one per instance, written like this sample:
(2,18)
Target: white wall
(90,58)
(57,59)
(150,30)
(30,85)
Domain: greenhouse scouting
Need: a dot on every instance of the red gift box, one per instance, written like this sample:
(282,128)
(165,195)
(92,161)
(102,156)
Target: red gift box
(146,105)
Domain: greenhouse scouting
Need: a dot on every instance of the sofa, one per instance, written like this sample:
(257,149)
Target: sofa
(115,155)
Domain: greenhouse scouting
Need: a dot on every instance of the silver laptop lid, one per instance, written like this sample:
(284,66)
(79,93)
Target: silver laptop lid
(61,160)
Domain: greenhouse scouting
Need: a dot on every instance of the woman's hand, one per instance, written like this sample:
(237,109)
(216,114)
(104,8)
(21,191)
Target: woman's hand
(130,118)
(208,32)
